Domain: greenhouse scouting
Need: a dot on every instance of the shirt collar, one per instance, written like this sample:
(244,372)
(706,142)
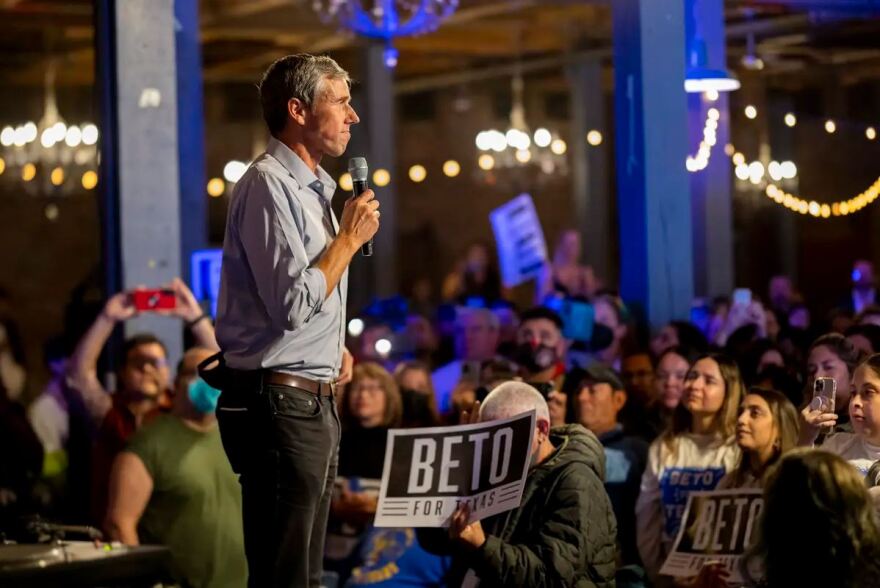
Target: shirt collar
(321,183)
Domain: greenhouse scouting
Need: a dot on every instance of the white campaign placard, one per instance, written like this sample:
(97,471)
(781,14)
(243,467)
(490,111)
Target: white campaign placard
(718,526)
(522,251)
(429,472)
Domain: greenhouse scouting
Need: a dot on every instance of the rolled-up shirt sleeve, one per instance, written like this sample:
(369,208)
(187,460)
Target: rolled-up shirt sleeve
(290,289)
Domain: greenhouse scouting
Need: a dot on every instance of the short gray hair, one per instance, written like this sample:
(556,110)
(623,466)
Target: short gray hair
(299,76)
(490,317)
(511,399)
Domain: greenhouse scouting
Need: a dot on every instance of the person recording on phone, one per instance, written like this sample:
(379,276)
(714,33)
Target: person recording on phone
(281,318)
(861,448)
(835,358)
(143,378)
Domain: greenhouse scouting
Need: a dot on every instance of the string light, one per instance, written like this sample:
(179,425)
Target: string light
(417,173)
(830,126)
(451,168)
(700,161)
(486,162)
(381,177)
(871,133)
(216,187)
(57,176)
(790,119)
(751,112)
(28,172)
(345,182)
(89,180)
(817,210)
(594,138)
(558,147)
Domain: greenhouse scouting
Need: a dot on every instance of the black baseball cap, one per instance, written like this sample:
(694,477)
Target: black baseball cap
(598,373)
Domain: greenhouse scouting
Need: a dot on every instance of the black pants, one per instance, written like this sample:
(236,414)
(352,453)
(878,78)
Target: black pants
(284,442)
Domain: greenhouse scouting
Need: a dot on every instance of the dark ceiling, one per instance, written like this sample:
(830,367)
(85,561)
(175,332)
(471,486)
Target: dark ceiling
(800,41)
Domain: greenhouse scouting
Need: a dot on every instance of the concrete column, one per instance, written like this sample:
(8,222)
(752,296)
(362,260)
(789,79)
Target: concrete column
(654,204)
(139,150)
(590,166)
(374,138)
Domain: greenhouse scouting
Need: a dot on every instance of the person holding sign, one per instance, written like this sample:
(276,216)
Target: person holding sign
(694,453)
(563,532)
(766,429)
(861,448)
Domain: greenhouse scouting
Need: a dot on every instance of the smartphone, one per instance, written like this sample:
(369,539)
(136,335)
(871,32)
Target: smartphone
(742,297)
(157,299)
(824,393)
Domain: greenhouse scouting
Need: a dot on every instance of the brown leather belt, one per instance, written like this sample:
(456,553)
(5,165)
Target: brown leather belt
(314,386)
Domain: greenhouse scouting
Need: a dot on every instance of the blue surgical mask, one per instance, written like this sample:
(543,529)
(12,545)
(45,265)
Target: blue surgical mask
(202,396)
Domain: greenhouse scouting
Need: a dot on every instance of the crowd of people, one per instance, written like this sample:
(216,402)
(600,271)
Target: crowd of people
(627,427)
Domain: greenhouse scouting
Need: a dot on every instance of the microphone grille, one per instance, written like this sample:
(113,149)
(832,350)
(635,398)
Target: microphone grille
(357,167)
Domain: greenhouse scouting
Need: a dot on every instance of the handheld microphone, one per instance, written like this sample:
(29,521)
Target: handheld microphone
(357,167)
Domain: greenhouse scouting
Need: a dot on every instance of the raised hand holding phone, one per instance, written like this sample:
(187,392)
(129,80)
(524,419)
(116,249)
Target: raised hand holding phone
(153,299)
(819,414)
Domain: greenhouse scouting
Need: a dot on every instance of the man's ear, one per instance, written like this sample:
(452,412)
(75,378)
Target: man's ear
(297,110)
(618,397)
(544,427)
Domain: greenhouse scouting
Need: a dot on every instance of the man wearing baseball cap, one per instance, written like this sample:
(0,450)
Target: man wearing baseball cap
(598,401)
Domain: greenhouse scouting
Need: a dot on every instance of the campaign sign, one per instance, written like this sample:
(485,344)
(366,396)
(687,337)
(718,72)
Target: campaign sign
(676,483)
(718,526)
(204,270)
(522,251)
(429,472)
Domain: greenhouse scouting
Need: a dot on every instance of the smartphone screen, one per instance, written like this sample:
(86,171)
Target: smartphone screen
(157,299)
(742,297)
(824,393)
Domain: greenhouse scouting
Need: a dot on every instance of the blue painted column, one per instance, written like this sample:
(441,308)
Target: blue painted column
(711,187)
(654,203)
(140,189)
(190,132)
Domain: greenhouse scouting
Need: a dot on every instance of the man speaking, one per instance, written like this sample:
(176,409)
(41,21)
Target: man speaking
(281,319)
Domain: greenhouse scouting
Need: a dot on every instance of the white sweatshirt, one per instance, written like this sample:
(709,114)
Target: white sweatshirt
(697,462)
(853,449)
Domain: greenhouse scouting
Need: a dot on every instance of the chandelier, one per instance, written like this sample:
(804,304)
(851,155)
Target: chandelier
(518,147)
(49,157)
(386,19)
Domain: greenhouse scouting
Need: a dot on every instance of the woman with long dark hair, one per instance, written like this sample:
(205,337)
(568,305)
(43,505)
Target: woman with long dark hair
(694,453)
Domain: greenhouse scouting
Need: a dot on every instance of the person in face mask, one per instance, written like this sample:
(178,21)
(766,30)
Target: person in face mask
(173,486)
(540,354)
